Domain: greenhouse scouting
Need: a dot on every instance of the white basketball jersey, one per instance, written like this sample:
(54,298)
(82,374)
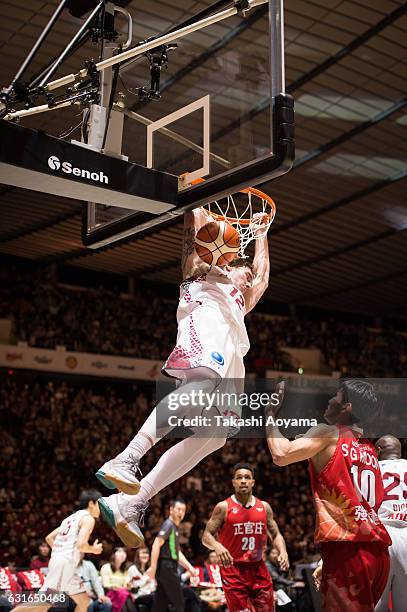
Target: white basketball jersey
(393,510)
(67,537)
(215,290)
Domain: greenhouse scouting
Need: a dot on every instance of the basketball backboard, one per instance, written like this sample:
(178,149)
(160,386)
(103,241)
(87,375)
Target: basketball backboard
(222,115)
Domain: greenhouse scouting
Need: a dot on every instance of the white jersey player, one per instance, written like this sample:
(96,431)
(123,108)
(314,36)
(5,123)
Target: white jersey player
(393,514)
(210,302)
(67,542)
(211,343)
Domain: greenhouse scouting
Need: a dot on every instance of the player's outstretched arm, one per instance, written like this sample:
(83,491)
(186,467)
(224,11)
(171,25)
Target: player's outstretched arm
(86,526)
(209,538)
(316,440)
(276,538)
(261,270)
(191,263)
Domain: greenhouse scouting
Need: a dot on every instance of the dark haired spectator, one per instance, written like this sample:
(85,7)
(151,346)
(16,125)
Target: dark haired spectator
(41,559)
(115,579)
(141,585)
(94,588)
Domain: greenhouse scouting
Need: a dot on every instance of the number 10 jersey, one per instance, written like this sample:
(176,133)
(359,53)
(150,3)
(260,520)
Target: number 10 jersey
(348,493)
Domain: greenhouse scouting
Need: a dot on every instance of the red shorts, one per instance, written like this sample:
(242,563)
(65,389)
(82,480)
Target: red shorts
(248,583)
(354,575)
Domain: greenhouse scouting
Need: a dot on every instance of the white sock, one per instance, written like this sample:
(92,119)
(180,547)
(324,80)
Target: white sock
(147,436)
(175,463)
(140,444)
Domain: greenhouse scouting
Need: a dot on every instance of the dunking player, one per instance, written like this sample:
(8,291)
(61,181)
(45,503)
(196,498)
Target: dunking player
(67,542)
(348,491)
(237,531)
(212,341)
(393,513)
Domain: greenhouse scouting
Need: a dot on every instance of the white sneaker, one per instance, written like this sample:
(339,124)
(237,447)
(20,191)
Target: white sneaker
(120,473)
(124,517)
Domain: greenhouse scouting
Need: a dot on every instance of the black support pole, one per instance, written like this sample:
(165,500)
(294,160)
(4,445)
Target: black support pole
(37,45)
(73,42)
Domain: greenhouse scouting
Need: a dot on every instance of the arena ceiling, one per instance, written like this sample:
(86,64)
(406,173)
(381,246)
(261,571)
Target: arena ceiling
(339,240)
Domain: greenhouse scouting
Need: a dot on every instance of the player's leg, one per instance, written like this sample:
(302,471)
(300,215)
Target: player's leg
(263,601)
(53,587)
(383,603)
(36,608)
(235,588)
(354,575)
(121,472)
(398,567)
(178,461)
(82,601)
(261,595)
(124,513)
(399,587)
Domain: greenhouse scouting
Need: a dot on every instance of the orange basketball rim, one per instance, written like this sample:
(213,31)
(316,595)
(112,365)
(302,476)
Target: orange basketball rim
(255,218)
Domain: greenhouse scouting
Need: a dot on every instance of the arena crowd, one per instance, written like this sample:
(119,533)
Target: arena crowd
(62,432)
(56,432)
(46,314)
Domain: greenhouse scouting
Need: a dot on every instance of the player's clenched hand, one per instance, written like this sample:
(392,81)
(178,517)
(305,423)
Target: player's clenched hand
(224,556)
(274,406)
(97,548)
(259,224)
(283,561)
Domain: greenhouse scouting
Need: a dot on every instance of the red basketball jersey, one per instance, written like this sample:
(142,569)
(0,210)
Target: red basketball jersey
(348,493)
(244,532)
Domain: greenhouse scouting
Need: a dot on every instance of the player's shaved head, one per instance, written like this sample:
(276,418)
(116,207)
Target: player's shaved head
(388,447)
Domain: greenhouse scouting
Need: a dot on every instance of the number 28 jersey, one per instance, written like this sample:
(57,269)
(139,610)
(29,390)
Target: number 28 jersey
(244,532)
(348,492)
(393,510)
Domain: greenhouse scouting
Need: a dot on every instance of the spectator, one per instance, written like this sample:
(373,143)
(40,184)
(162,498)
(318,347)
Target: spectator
(142,586)
(47,314)
(115,579)
(41,559)
(93,584)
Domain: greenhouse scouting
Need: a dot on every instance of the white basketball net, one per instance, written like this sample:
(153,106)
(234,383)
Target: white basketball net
(241,215)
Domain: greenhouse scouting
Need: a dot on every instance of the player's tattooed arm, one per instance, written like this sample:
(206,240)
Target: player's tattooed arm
(276,538)
(188,238)
(190,262)
(261,270)
(209,538)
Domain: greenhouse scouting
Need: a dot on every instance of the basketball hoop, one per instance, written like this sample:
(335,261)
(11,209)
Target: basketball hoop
(241,213)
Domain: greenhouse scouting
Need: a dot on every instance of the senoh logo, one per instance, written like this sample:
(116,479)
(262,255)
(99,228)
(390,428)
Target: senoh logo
(54,163)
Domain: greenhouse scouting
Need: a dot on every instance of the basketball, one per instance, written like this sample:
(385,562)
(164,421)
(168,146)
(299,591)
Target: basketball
(217,243)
